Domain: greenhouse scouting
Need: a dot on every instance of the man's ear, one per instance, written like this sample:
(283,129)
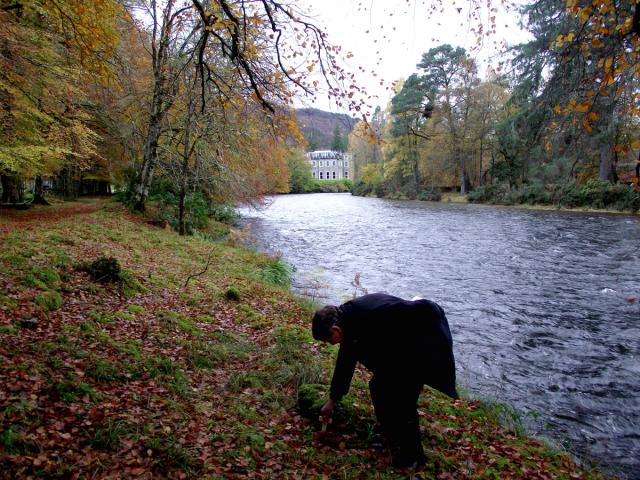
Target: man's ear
(337,333)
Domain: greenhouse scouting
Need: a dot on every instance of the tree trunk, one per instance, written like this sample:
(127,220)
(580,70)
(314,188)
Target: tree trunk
(606,162)
(465,184)
(416,170)
(160,104)
(38,192)
(186,155)
(11,191)
(182,230)
(143,182)
(67,183)
(481,153)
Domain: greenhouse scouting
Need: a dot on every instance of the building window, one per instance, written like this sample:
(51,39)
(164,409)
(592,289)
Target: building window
(314,174)
(314,163)
(346,163)
(334,163)
(320,163)
(320,175)
(346,174)
(334,174)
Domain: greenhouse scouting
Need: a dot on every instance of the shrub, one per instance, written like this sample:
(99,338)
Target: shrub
(223,213)
(104,269)
(597,194)
(232,293)
(483,193)
(198,210)
(361,189)
(311,398)
(432,194)
(533,194)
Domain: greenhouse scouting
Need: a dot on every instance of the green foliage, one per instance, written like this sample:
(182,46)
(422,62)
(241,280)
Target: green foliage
(104,269)
(433,194)
(15,442)
(8,330)
(42,278)
(69,391)
(205,354)
(102,370)
(49,300)
(108,435)
(223,213)
(276,272)
(593,194)
(130,284)
(339,143)
(312,397)
(341,185)
(232,293)
(288,359)
(255,319)
(127,317)
(300,178)
(168,452)
(180,322)
(245,380)
(198,209)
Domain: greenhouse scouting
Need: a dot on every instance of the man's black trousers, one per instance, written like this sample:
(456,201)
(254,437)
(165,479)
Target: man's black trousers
(395,402)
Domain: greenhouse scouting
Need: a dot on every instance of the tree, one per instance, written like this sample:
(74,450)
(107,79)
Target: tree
(300,177)
(365,142)
(339,143)
(257,41)
(452,74)
(410,109)
(44,47)
(564,126)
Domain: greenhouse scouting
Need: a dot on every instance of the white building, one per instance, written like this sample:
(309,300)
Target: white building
(330,165)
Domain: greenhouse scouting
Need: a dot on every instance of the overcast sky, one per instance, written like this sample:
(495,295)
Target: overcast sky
(388,37)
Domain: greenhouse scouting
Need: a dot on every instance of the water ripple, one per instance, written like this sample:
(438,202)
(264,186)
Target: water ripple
(537,301)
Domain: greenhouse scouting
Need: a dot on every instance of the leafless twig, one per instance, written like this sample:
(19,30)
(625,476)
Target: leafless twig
(204,270)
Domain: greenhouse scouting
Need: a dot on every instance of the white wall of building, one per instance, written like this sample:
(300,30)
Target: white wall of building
(330,165)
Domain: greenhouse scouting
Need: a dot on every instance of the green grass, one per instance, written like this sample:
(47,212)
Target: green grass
(49,300)
(180,322)
(70,391)
(109,435)
(220,361)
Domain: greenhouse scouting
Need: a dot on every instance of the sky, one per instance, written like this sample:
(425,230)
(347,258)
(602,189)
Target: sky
(388,37)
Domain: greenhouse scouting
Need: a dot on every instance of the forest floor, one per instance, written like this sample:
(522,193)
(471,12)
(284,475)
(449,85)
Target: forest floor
(189,366)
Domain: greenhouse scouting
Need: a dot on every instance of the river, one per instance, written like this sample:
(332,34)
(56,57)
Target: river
(540,303)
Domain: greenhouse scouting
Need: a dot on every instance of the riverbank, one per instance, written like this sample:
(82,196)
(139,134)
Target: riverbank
(188,364)
(458,198)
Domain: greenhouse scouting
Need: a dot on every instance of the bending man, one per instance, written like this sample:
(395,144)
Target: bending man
(405,344)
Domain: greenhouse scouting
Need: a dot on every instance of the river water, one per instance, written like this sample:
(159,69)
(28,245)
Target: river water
(539,302)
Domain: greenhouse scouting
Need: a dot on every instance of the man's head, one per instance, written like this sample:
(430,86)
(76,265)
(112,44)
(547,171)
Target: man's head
(324,325)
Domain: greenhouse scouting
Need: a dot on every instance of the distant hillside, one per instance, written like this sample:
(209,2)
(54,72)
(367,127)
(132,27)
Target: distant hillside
(317,126)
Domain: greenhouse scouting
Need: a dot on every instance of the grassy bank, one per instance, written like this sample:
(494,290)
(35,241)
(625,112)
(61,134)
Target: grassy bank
(187,365)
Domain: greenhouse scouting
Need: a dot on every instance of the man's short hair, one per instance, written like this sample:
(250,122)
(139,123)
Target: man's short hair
(323,320)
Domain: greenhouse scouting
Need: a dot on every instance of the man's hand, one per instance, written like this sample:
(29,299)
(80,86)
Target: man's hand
(326,412)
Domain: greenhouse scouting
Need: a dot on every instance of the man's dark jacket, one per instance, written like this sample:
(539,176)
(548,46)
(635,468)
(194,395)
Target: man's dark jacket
(397,340)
